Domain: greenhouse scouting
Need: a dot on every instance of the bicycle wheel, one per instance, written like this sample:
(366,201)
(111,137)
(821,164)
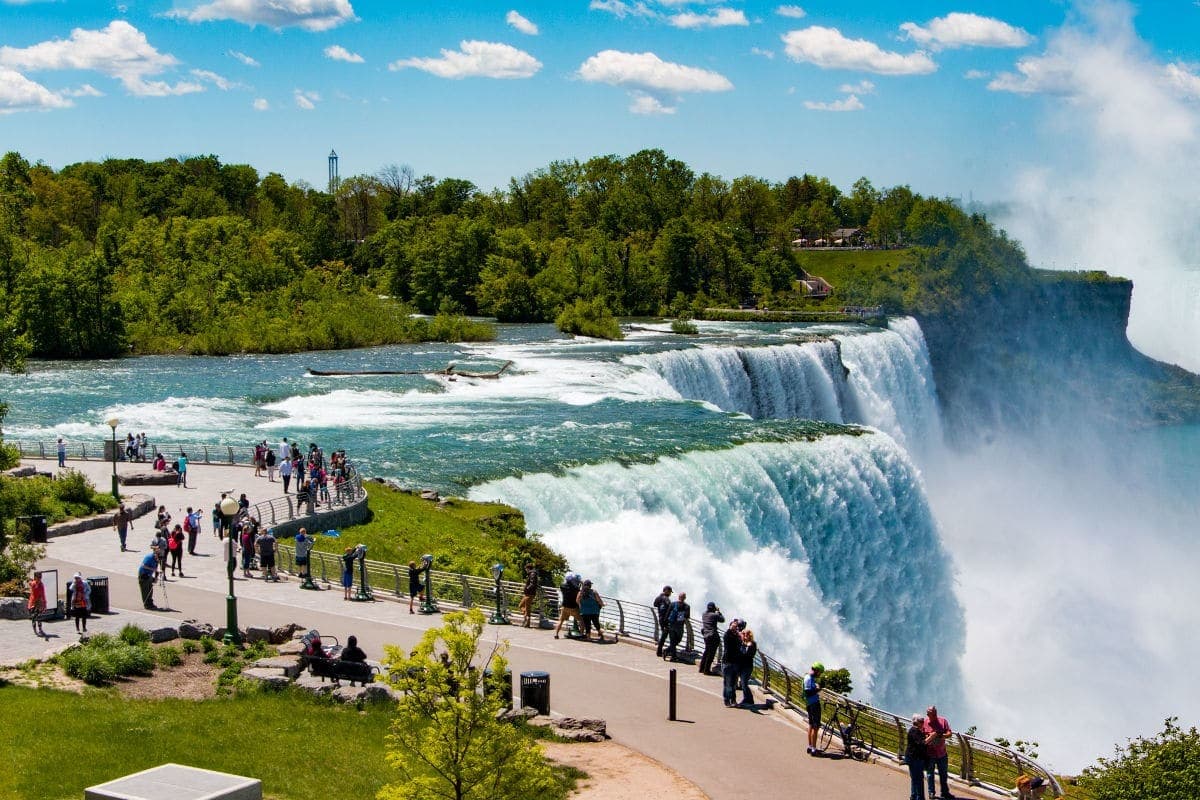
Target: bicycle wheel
(828,730)
(864,742)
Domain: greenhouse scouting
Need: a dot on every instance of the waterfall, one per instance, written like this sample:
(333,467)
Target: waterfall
(877,378)
(828,548)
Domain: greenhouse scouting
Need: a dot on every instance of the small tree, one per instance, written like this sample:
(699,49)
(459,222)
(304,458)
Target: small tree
(1164,767)
(446,740)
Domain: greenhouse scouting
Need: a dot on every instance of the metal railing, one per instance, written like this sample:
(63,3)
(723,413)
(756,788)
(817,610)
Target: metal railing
(288,508)
(977,761)
(95,451)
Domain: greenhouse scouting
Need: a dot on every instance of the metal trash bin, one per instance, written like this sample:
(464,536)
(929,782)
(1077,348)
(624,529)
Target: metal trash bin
(535,691)
(99,585)
(506,692)
(33,527)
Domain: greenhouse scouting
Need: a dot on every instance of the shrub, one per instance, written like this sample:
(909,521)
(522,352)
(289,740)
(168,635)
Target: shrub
(190,646)
(132,634)
(72,487)
(684,326)
(168,656)
(1166,765)
(104,658)
(207,644)
(88,665)
(589,318)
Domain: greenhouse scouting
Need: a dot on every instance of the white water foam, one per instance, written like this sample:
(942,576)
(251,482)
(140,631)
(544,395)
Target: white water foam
(827,547)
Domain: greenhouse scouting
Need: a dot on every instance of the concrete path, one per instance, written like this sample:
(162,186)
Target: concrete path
(731,754)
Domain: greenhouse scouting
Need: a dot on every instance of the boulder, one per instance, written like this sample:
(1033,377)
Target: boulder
(150,478)
(164,634)
(14,608)
(269,678)
(191,629)
(430,494)
(581,730)
(21,472)
(514,714)
(284,633)
(286,665)
(292,648)
(311,683)
(254,634)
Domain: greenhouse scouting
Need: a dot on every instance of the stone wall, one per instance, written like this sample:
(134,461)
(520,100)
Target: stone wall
(137,504)
(354,514)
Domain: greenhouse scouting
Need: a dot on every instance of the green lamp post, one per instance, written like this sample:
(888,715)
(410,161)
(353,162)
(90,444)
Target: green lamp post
(112,423)
(229,508)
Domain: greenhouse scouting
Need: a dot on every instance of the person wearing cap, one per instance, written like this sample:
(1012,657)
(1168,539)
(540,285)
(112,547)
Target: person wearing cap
(812,699)
(1030,788)
(709,620)
(678,615)
(590,603)
(937,731)
(79,599)
(662,607)
(731,648)
(914,758)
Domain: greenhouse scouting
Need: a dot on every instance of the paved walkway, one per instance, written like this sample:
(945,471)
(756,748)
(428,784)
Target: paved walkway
(730,754)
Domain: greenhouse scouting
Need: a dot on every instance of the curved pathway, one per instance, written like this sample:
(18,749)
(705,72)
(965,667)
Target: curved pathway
(731,754)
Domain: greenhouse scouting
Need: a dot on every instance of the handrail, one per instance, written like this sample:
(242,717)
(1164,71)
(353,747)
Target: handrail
(233,455)
(977,761)
(288,508)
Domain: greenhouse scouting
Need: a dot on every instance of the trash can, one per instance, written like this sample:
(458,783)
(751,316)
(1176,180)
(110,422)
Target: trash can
(535,691)
(37,528)
(99,584)
(506,692)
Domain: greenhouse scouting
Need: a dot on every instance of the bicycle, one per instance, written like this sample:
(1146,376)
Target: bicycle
(858,741)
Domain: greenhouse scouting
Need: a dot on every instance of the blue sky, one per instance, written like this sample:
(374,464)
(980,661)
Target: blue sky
(951,98)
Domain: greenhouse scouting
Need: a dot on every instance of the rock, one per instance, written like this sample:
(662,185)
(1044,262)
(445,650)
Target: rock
(190,629)
(513,714)
(254,634)
(379,693)
(21,472)
(348,694)
(14,608)
(269,678)
(581,730)
(168,478)
(292,648)
(165,634)
(287,665)
(284,633)
(430,494)
(311,683)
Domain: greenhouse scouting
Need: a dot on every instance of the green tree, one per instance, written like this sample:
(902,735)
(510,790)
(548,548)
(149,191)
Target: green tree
(446,741)
(1163,767)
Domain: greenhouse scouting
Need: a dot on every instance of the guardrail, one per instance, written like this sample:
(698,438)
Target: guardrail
(288,508)
(95,451)
(977,761)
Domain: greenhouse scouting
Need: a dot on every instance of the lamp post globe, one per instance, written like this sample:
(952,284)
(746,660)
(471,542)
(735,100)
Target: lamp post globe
(112,423)
(229,509)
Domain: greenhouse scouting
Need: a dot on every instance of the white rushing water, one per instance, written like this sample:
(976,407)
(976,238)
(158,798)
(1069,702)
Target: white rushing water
(828,548)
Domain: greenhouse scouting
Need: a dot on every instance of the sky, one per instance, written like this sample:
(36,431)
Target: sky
(954,99)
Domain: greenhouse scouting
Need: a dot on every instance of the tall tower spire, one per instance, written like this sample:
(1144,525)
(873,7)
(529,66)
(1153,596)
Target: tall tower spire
(333,171)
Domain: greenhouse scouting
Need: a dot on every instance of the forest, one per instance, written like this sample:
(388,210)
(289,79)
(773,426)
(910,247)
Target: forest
(189,255)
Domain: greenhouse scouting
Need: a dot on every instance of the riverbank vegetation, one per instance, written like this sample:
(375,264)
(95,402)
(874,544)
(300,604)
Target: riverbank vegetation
(190,255)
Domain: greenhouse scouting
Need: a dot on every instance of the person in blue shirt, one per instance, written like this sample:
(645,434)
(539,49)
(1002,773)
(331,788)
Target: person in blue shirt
(182,470)
(812,698)
(147,572)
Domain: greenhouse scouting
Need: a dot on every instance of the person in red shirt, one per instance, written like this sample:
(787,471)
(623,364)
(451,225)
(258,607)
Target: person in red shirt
(937,731)
(37,603)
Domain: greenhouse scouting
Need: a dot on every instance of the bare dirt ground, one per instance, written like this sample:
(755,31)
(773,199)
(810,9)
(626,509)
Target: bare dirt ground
(615,772)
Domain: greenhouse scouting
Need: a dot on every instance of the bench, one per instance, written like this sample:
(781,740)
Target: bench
(338,670)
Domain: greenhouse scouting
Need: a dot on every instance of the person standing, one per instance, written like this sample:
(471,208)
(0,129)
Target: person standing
(731,649)
(161,546)
(709,620)
(123,523)
(147,572)
(937,731)
(182,462)
(285,473)
(304,546)
(218,520)
(914,758)
(245,537)
(37,603)
(662,607)
(175,547)
(192,527)
(677,618)
(285,450)
(62,453)
(271,465)
(347,572)
(266,554)
(590,603)
(260,458)
(529,593)
(79,598)
(415,589)
(812,700)
(745,663)
(569,608)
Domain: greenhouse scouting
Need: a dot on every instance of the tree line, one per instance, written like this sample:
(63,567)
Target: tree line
(101,259)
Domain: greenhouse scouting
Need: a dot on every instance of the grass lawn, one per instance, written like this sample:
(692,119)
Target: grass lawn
(463,536)
(59,743)
(860,276)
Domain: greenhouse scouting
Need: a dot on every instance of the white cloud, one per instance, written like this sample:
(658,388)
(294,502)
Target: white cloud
(306,101)
(851,103)
(476,59)
(86,90)
(791,12)
(966,30)
(648,104)
(717,18)
(648,71)
(311,15)
(1046,74)
(827,48)
(758,51)
(18,93)
(976,74)
(521,23)
(119,51)
(862,87)
(216,80)
(261,104)
(336,52)
(245,59)
(621,9)
(1182,79)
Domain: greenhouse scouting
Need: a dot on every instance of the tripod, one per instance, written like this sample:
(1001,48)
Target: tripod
(162,580)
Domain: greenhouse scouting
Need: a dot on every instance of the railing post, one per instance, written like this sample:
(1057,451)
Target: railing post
(83,451)
(396,577)
(205,454)
(968,757)
(323,578)
(42,447)
(620,618)
(787,683)
(466,589)
(766,672)
(691,639)
(231,461)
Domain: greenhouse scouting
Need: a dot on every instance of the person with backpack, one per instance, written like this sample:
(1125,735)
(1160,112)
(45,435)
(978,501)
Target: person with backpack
(529,593)
(590,604)
(569,608)
(79,599)
(731,645)
(175,548)
(677,617)
(662,607)
(189,528)
(709,620)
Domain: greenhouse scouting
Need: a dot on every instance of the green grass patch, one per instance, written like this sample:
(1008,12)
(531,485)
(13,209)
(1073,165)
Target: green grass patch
(863,277)
(462,535)
(104,658)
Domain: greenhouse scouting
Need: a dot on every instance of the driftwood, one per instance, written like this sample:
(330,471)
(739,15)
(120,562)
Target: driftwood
(450,369)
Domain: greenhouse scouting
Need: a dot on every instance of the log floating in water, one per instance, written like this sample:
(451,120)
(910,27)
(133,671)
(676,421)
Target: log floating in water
(450,369)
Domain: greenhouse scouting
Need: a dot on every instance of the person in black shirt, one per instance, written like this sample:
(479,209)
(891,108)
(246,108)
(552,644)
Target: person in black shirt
(662,606)
(709,620)
(731,650)
(415,589)
(914,757)
(570,603)
(677,618)
(352,652)
(528,593)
